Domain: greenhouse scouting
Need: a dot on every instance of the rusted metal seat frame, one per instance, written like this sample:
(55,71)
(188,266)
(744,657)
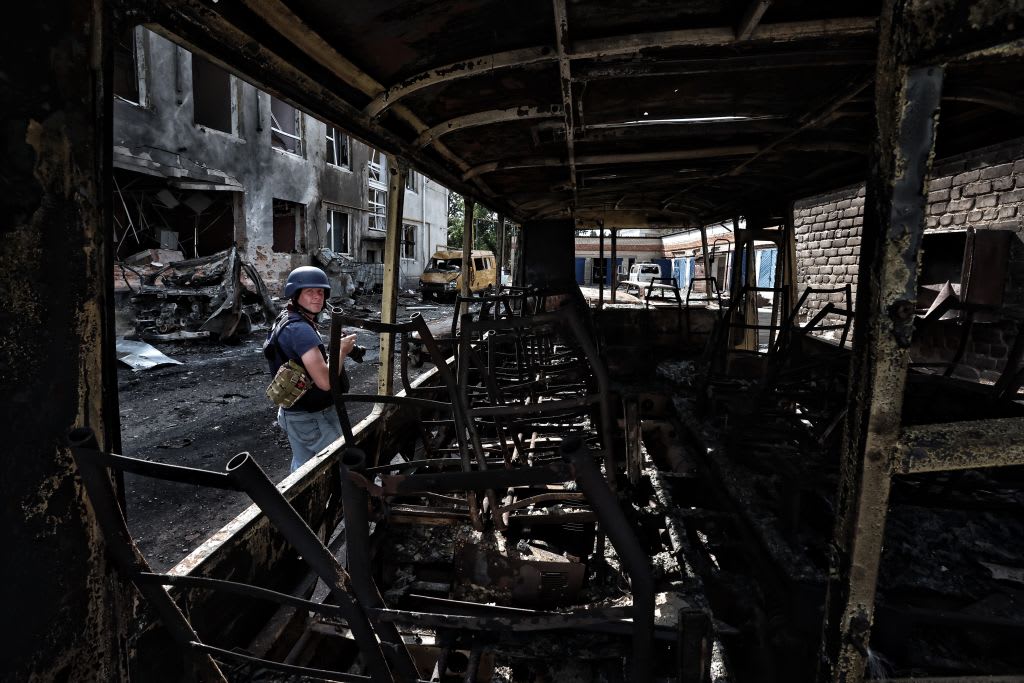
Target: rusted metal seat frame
(471,453)
(243,474)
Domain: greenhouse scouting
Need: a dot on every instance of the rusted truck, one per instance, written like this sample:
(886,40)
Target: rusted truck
(442,278)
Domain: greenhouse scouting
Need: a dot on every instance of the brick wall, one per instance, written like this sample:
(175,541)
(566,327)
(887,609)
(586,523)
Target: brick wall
(983,190)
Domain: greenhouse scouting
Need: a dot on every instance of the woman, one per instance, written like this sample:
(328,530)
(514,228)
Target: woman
(311,422)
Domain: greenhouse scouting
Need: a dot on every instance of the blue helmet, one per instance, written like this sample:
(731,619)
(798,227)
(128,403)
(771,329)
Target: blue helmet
(306,277)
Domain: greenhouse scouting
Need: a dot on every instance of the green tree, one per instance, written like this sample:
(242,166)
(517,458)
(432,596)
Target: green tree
(485,221)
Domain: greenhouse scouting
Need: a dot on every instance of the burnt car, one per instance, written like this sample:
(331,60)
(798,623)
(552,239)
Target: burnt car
(219,295)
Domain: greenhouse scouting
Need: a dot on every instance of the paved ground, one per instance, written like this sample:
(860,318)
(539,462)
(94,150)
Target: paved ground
(200,414)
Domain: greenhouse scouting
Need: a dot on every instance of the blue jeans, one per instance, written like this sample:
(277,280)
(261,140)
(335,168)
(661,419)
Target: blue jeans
(308,433)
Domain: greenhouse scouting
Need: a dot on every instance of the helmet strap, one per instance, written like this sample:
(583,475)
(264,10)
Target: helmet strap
(295,307)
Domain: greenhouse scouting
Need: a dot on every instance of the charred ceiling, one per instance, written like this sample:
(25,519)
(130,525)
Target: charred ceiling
(664,113)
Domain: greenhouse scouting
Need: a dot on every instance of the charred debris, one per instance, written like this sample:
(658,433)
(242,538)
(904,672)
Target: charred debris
(530,512)
(816,479)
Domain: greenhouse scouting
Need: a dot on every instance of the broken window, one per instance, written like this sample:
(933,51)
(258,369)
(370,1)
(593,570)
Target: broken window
(285,126)
(211,95)
(412,181)
(337,147)
(338,238)
(288,221)
(371,255)
(408,241)
(377,192)
(377,168)
(972,263)
(129,81)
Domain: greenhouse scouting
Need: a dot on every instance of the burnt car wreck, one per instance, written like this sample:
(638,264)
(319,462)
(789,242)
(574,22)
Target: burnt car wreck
(807,468)
(220,296)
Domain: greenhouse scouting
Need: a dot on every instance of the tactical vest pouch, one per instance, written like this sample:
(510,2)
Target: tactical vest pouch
(289,385)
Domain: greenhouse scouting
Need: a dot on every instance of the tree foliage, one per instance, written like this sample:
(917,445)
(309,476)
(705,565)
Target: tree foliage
(486,223)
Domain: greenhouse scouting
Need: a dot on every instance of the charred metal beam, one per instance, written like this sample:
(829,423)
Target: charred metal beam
(565,81)
(814,118)
(294,670)
(632,555)
(1016,678)
(951,30)
(961,445)
(751,18)
(93,467)
(458,70)
(251,477)
(638,67)
(708,37)
(402,484)
(907,101)
(519,620)
(291,26)
(1009,102)
(486,118)
(518,615)
(621,45)
(357,531)
(207,32)
(597,159)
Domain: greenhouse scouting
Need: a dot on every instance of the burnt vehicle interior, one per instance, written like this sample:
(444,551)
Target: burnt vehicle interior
(659,493)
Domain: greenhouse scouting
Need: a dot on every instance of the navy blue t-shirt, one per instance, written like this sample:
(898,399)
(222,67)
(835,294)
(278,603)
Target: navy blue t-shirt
(294,339)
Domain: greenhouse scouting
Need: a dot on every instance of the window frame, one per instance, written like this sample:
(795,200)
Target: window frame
(337,140)
(298,136)
(139,64)
(298,212)
(377,191)
(233,104)
(330,234)
(405,244)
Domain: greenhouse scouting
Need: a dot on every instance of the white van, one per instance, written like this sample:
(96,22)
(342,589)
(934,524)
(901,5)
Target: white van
(640,274)
(644,272)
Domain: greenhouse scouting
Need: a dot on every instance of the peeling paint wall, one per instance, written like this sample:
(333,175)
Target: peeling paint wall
(159,136)
(65,609)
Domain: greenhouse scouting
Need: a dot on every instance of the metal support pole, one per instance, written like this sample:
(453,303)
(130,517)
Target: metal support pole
(707,263)
(788,254)
(500,256)
(907,102)
(515,246)
(397,172)
(615,262)
(600,259)
(467,251)
(750,297)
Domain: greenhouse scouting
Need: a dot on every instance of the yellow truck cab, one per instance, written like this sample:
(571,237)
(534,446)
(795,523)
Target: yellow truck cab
(442,278)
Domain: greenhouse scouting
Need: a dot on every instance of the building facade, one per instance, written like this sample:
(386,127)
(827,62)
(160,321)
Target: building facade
(205,160)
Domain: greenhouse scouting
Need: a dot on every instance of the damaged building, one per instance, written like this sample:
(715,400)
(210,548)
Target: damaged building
(204,160)
(816,474)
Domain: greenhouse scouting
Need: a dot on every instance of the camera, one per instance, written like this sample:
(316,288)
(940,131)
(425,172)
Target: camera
(357,353)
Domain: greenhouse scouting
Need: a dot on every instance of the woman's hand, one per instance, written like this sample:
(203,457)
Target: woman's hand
(348,342)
